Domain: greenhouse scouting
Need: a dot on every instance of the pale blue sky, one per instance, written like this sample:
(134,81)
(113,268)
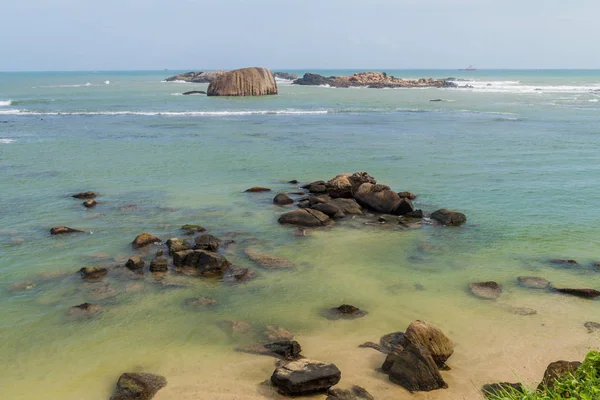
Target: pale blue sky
(284,34)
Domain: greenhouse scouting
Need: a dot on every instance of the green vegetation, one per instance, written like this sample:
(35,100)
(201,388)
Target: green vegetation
(582,384)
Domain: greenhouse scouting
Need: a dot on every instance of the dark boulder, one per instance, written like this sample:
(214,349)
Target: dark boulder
(90,203)
(244,82)
(557,370)
(432,338)
(313,80)
(305,376)
(449,217)
(283,199)
(379,198)
(135,263)
(392,342)
(584,293)
(404,206)
(85,195)
(486,290)
(194,92)
(497,389)
(533,282)
(257,189)
(61,230)
(318,187)
(207,242)
(93,273)
(416,214)
(329,209)
(143,240)
(414,369)
(204,262)
(305,217)
(320,199)
(138,386)
(192,228)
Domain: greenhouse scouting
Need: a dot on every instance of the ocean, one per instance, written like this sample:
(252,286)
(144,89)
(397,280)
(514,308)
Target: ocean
(517,152)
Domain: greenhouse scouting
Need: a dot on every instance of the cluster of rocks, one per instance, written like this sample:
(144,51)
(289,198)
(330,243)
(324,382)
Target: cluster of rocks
(196,77)
(286,76)
(376,80)
(351,195)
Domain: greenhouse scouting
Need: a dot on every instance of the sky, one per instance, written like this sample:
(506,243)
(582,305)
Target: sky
(48,35)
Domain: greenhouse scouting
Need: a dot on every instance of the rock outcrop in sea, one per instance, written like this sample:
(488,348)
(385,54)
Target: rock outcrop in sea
(252,81)
(196,77)
(376,80)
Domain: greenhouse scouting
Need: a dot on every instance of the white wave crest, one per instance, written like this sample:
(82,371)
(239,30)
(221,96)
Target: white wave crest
(170,113)
(5,103)
(518,87)
(7,141)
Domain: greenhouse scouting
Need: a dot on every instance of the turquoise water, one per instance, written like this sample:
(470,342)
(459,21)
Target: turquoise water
(517,153)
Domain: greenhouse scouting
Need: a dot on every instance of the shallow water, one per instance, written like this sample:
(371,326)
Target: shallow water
(521,165)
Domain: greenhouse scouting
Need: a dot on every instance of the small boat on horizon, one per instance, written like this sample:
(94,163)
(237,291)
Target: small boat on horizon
(469,68)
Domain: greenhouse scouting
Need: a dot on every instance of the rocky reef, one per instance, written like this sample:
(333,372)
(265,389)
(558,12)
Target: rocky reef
(196,77)
(376,80)
(244,82)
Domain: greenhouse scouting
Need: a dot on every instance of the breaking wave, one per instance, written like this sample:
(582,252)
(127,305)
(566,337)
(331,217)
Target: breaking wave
(170,113)
(5,103)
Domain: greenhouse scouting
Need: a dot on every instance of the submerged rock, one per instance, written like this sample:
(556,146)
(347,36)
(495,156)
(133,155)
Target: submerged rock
(257,189)
(204,262)
(159,264)
(276,333)
(135,263)
(93,273)
(497,389)
(415,370)
(305,217)
(592,326)
(287,349)
(21,286)
(304,377)
(200,302)
(283,199)
(267,260)
(533,282)
(238,274)
(61,230)
(85,195)
(584,293)
(207,242)
(355,393)
(193,228)
(564,261)
(432,338)
(486,290)
(90,203)
(522,310)
(449,217)
(556,370)
(84,310)
(138,386)
(144,239)
(345,311)
(244,82)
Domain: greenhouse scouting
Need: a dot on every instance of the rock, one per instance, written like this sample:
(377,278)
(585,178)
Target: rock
(533,282)
(138,386)
(204,262)
(407,195)
(175,244)
(389,361)
(93,273)
(313,80)
(340,186)
(321,199)
(244,82)
(61,230)
(196,77)
(347,206)
(486,290)
(194,92)
(285,75)
(305,217)
(207,242)
(318,187)
(276,333)
(267,260)
(282,199)
(414,369)
(144,239)
(522,310)
(498,389)
(193,228)
(561,261)
(200,302)
(329,209)
(392,342)
(159,264)
(85,195)
(238,274)
(379,198)
(235,327)
(449,217)
(416,214)
(21,286)
(592,326)
(84,310)
(287,349)
(345,311)
(556,370)
(257,189)
(584,293)
(404,206)
(135,263)
(89,203)
(356,393)
(304,377)
(431,338)
(293,182)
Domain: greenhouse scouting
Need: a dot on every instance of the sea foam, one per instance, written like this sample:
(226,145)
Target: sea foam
(169,113)
(5,103)
(6,141)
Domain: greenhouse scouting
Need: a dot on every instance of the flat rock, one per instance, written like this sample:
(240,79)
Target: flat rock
(522,311)
(282,199)
(238,274)
(93,273)
(85,195)
(194,92)
(267,260)
(257,189)
(533,282)
(449,217)
(138,386)
(143,240)
(354,393)
(592,326)
(84,310)
(305,217)
(499,388)
(486,290)
(414,369)
(556,370)
(304,377)
(432,338)
(584,293)
(61,230)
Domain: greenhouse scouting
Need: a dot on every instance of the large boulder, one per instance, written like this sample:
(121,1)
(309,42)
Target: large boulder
(449,217)
(304,377)
(205,262)
(138,386)
(379,198)
(430,337)
(305,217)
(144,239)
(347,206)
(557,370)
(244,82)
(414,369)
